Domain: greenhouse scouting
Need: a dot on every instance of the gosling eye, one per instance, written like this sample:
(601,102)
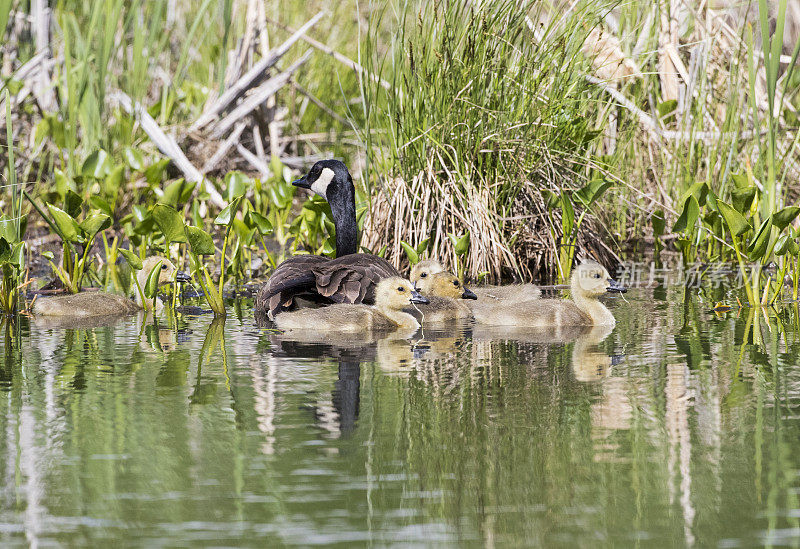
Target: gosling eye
(401,289)
(423,275)
(455,283)
(597,275)
(163,267)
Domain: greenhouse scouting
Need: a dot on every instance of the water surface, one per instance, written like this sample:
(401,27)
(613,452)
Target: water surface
(680,427)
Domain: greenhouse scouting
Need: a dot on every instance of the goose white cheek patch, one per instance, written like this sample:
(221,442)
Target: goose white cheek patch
(320,186)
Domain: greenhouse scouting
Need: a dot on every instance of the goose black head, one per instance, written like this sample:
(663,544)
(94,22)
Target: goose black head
(330,179)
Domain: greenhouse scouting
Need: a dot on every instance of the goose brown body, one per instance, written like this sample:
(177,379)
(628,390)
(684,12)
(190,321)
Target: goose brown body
(350,278)
(391,296)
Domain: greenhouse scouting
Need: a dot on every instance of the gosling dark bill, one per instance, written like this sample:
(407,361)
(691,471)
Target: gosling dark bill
(417,297)
(615,287)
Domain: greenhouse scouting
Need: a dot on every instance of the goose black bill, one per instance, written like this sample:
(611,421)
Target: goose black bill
(417,297)
(302,182)
(468,294)
(181,276)
(615,287)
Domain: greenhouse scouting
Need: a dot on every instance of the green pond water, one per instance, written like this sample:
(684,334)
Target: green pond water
(678,428)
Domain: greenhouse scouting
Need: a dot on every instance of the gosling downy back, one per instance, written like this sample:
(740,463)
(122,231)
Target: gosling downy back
(391,296)
(103,304)
(447,296)
(589,281)
(350,278)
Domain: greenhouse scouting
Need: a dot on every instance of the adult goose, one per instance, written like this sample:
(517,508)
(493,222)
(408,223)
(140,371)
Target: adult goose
(350,278)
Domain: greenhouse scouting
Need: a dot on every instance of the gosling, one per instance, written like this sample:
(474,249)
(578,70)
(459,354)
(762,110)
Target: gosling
(92,304)
(589,281)
(446,295)
(391,296)
(512,293)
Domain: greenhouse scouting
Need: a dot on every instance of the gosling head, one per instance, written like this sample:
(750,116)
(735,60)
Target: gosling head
(591,279)
(166,274)
(395,293)
(444,284)
(331,180)
(424,269)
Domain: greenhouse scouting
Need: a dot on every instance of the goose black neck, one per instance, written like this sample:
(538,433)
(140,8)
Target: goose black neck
(344,218)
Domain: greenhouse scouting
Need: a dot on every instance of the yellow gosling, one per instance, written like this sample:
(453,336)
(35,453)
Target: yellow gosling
(95,304)
(391,296)
(446,295)
(512,293)
(589,281)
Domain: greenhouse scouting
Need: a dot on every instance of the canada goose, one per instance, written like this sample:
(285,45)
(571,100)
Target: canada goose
(589,281)
(512,293)
(391,295)
(446,295)
(350,278)
(95,304)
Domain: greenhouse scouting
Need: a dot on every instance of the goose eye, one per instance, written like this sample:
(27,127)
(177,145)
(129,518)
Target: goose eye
(423,275)
(401,289)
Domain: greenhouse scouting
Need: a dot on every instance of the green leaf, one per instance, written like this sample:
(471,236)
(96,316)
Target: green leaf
(63,182)
(462,246)
(155,172)
(151,286)
(133,260)
(785,216)
(228,213)
(413,257)
(259,222)
(422,246)
(177,192)
(758,245)
(199,240)
(659,223)
(65,223)
(47,254)
(97,165)
(786,244)
(134,158)
(551,199)
(100,204)
(18,255)
(170,222)
(688,218)
(742,199)
(115,179)
(72,203)
(236,184)
(698,190)
(95,223)
(5,251)
(737,224)
(592,192)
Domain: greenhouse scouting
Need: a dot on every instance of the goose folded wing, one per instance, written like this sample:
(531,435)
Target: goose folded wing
(352,278)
